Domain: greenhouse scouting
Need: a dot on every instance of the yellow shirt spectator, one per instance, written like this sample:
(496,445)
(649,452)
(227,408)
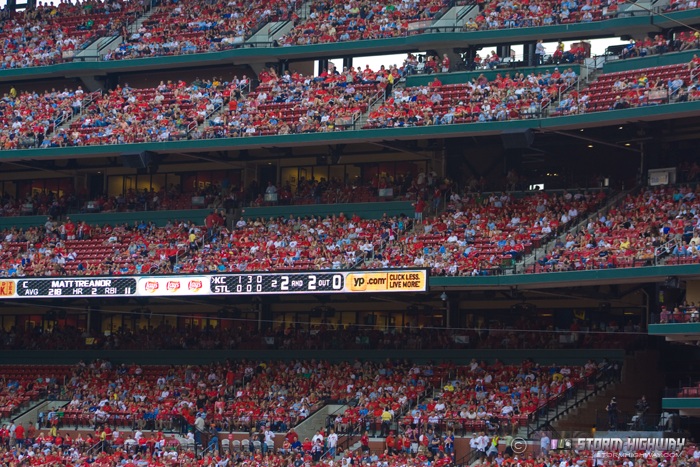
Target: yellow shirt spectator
(386,416)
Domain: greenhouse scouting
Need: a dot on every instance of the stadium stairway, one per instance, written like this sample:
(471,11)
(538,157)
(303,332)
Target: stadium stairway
(638,7)
(309,427)
(362,119)
(269,32)
(133,27)
(452,17)
(640,376)
(94,51)
(304,10)
(567,408)
(88,98)
(547,246)
(660,5)
(97,49)
(31,414)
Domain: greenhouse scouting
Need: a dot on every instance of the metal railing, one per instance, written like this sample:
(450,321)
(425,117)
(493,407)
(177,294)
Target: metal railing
(98,447)
(351,437)
(683,391)
(568,400)
(636,421)
(465,11)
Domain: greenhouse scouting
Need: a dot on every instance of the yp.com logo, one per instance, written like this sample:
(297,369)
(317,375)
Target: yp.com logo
(367,281)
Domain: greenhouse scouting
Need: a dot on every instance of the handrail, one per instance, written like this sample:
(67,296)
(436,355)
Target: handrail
(350,438)
(63,117)
(637,421)
(694,73)
(465,11)
(379,96)
(100,445)
(272,32)
(664,249)
(580,222)
(564,402)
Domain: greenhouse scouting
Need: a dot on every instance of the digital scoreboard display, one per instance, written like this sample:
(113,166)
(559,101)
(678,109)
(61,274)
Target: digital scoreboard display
(395,280)
(83,287)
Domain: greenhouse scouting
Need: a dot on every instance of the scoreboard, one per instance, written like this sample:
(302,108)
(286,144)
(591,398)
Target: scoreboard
(254,283)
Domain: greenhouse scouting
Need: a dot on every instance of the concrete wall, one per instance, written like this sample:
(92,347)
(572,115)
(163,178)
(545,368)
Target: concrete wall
(649,61)
(692,291)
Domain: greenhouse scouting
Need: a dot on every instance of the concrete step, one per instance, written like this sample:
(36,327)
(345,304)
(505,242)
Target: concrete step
(270,32)
(93,52)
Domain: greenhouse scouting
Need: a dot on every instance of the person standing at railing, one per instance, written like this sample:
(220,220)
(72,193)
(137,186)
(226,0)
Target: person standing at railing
(213,443)
(199,426)
(19,435)
(391,443)
(540,52)
(332,441)
(413,437)
(445,63)
(545,442)
(268,440)
(387,417)
(364,442)
(449,443)
(612,410)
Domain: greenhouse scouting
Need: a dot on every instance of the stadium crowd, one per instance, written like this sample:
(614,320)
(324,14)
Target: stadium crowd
(638,88)
(494,398)
(295,103)
(166,453)
(654,223)
(26,118)
(19,387)
(292,103)
(480,100)
(683,313)
(252,396)
(324,336)
(495,14)
(681,40)
(474,235)
(337,21)
(213,196)
(174,110)
(133,409)
(175,28)
(50,34)
(471,237)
